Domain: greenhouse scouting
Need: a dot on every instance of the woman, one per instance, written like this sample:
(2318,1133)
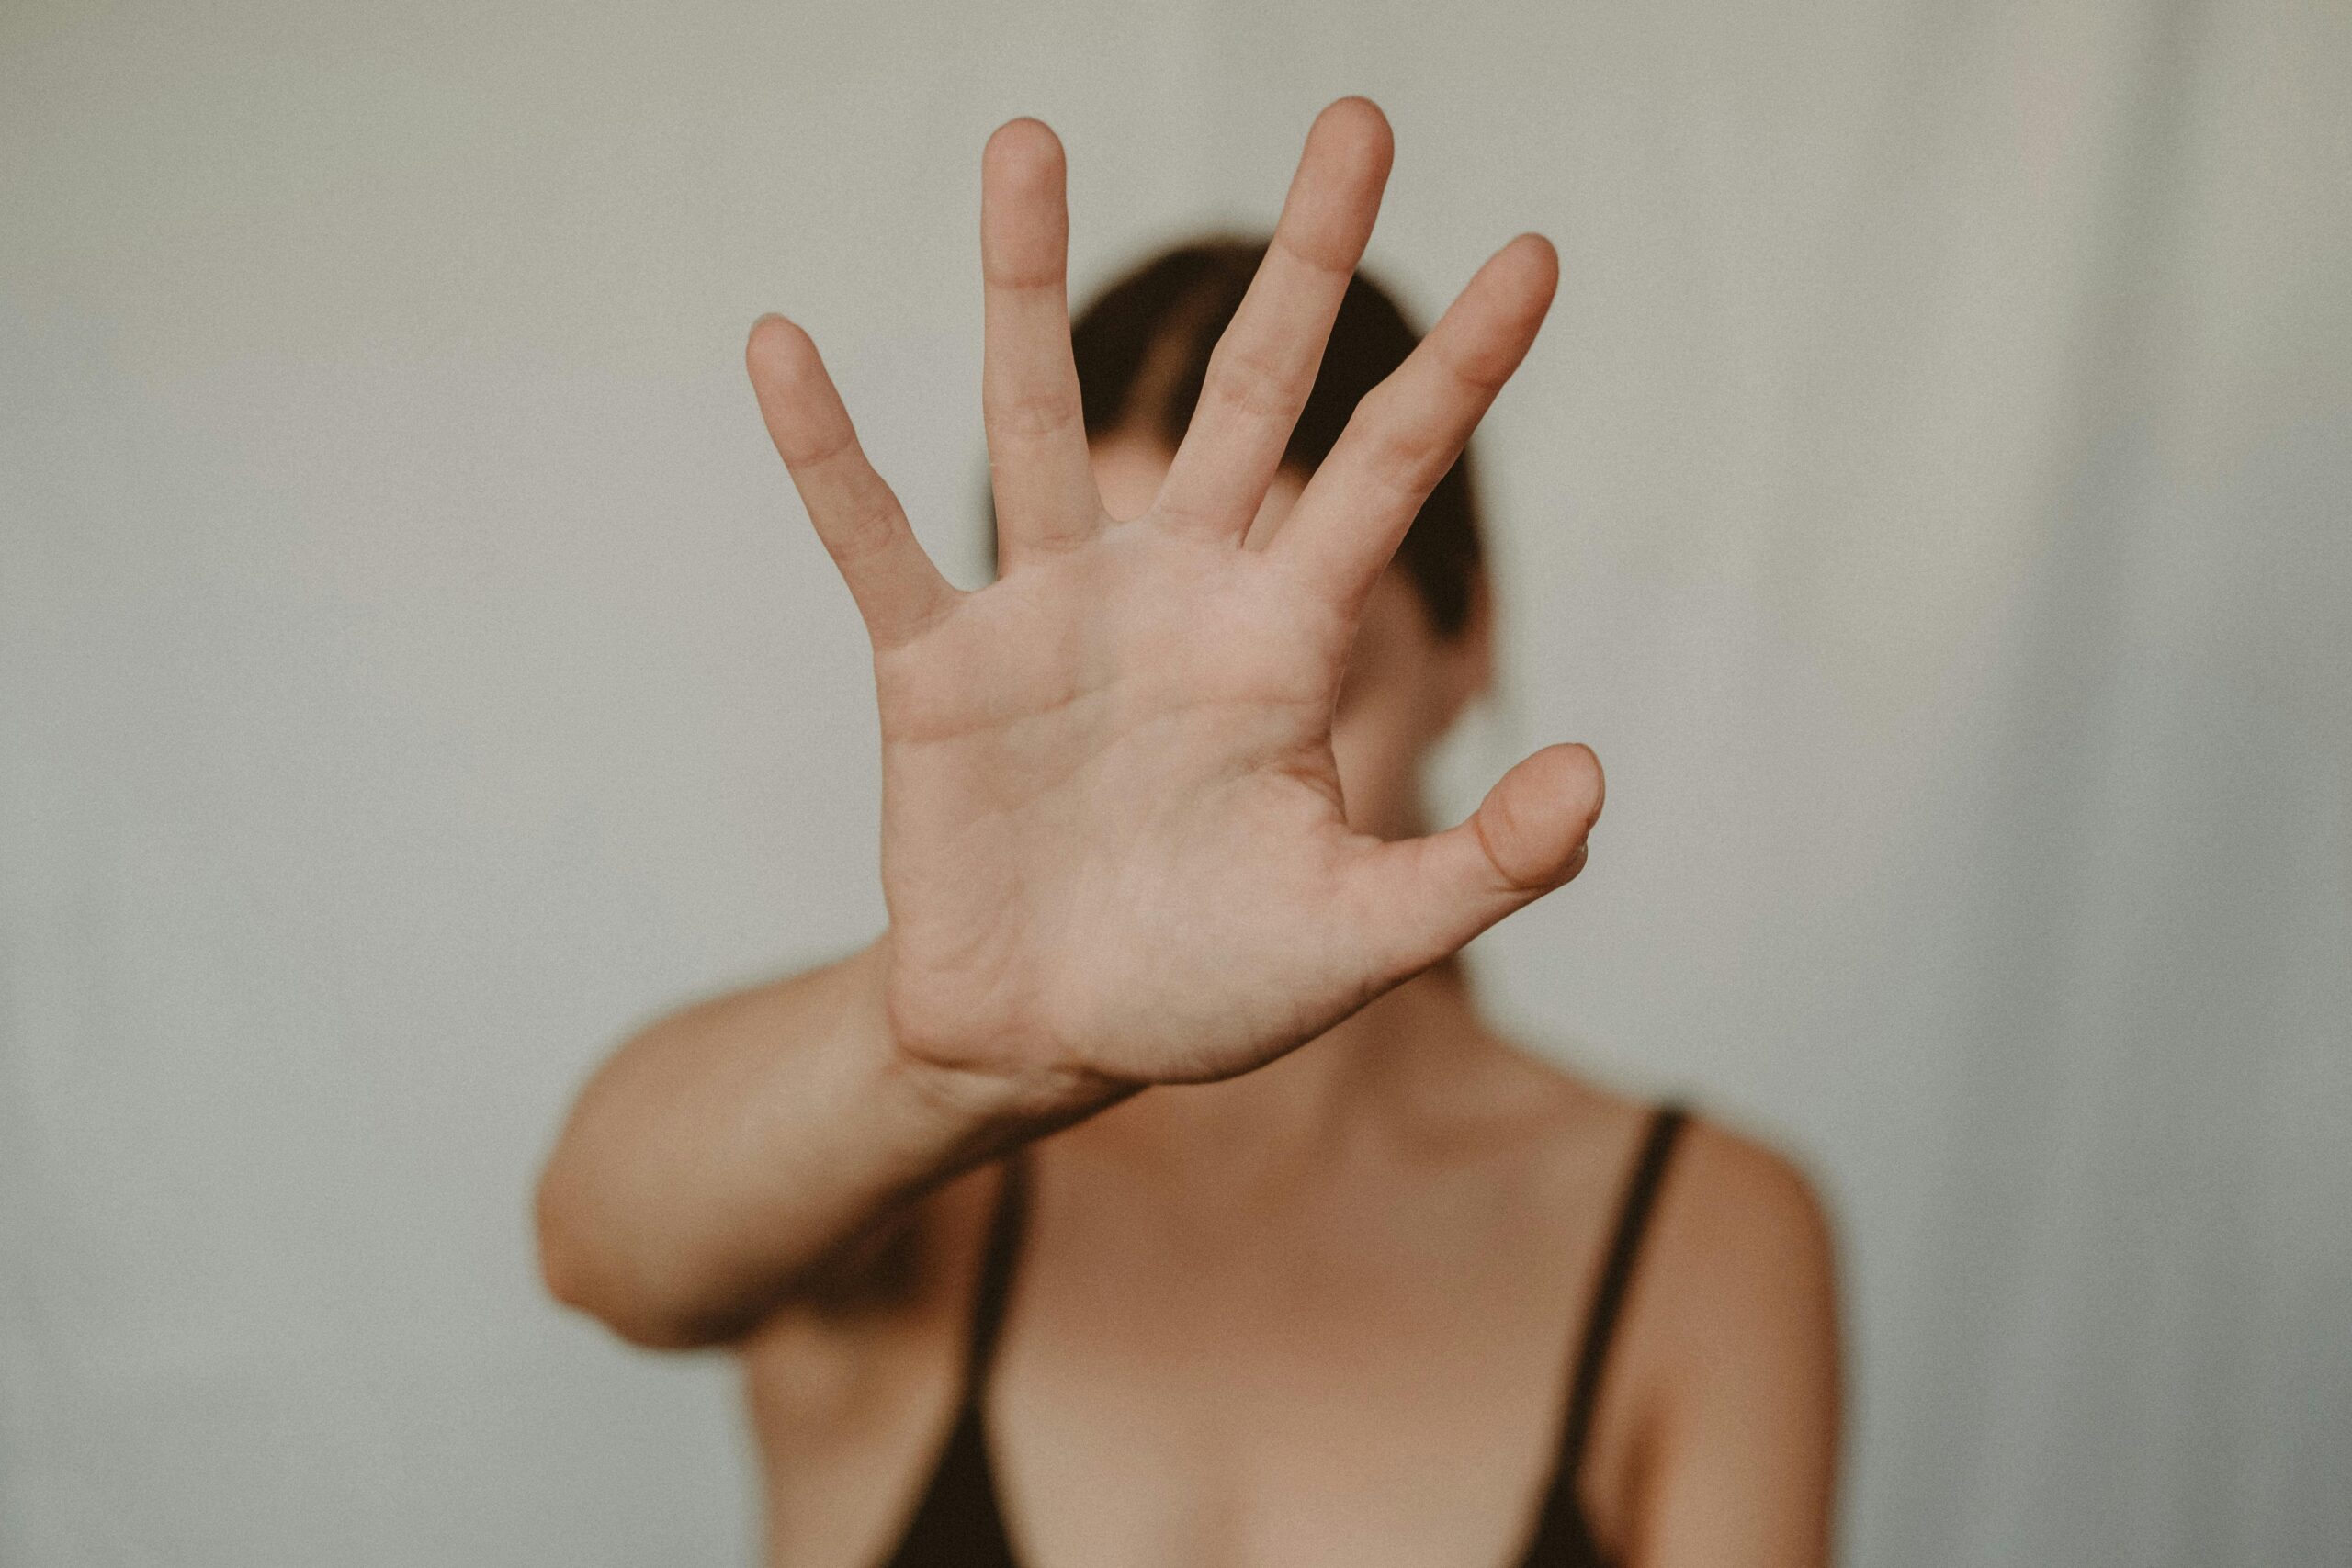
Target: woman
(1150,1191)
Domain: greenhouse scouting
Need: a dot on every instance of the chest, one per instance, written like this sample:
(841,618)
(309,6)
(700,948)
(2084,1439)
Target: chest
(1330,1387)
(1294,1410)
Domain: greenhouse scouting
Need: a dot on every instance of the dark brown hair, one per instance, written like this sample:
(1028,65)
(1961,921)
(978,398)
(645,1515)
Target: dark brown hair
(1143,350)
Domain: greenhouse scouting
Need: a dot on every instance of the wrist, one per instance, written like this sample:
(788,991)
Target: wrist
(990,1105)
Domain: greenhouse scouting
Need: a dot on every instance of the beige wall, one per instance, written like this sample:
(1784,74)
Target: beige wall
(1928,496)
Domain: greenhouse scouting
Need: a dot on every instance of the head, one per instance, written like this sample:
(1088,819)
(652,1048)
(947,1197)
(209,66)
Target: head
(1423,651)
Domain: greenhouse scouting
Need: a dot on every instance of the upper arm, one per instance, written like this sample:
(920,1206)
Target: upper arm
(1740,1471)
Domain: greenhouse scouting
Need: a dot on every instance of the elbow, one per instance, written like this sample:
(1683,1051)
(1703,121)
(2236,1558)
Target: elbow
(583,1271)
(566,1267)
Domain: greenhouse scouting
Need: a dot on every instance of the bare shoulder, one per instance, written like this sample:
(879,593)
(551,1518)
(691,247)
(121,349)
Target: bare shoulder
(1737,1220)
(1742,1211)
(1733,1348)
(1718,1424)
(1740,1273)
(1746,1216)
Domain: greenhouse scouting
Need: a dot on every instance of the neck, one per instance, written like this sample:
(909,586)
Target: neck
(1319,1102)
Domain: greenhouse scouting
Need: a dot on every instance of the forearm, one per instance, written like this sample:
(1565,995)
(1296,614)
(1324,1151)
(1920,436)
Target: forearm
(735,1155)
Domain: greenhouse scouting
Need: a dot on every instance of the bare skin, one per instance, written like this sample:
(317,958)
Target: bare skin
(1151,828)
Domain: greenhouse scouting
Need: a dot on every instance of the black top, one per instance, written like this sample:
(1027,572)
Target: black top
(956,1525)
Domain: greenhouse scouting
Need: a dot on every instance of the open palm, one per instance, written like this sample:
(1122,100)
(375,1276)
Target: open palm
(1114,843)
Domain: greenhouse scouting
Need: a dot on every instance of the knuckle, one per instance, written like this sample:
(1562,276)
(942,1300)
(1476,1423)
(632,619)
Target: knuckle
(1032,414)
(1406,458)
(1328,254)
(812,446)
(1253,386)
(1482,370)
(868,527)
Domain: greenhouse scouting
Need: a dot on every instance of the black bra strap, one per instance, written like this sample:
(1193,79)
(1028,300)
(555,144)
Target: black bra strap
(1616,1277)
(1003,1251)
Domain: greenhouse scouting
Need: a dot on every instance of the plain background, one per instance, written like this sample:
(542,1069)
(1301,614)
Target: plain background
(1930,497)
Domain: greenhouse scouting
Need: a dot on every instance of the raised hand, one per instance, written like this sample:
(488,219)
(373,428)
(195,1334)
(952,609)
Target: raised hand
(1114,848)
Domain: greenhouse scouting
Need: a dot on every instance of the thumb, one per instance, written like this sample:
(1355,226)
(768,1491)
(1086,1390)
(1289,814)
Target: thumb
(1431,895)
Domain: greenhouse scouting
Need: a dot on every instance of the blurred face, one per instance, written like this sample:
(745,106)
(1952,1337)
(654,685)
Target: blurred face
(1405,685)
